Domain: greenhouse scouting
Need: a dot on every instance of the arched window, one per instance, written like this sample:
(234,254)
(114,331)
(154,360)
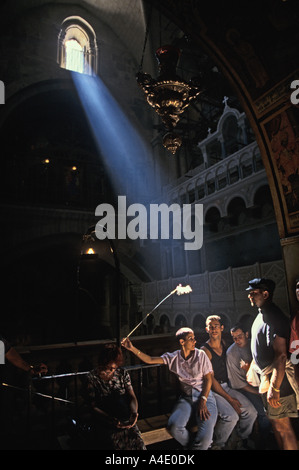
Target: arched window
(74,56)
(77,46)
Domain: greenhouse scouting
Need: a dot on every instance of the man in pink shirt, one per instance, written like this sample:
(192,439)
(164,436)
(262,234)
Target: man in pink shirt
(194,371)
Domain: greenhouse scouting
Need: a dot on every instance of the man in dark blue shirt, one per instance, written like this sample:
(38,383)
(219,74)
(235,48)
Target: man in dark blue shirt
(269,345)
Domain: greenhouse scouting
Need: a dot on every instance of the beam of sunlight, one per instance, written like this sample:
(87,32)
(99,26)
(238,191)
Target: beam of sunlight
(125,154)
(129,164)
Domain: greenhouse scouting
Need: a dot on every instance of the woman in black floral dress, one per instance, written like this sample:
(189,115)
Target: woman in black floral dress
(114,403)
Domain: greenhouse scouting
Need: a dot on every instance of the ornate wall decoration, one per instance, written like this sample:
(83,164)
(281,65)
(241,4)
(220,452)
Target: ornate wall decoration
(283,142)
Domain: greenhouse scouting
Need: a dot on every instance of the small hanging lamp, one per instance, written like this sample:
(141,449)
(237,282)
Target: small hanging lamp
(169,95)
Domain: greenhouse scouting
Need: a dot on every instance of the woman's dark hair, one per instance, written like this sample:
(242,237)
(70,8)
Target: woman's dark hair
(110,353)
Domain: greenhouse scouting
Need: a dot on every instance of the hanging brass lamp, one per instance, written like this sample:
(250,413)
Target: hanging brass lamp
(169,95)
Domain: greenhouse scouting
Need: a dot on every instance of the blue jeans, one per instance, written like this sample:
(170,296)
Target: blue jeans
(228,417)
(186,408)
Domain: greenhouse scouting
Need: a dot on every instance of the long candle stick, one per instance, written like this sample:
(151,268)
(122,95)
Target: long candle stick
(179,290)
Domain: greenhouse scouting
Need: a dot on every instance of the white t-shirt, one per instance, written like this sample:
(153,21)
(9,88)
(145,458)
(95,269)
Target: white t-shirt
(190,372)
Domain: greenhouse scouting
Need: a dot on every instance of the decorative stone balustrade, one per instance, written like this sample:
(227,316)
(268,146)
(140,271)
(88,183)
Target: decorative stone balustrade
(219,292)
(236,173)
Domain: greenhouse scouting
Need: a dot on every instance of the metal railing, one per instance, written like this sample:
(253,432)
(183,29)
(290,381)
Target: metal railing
(60,398)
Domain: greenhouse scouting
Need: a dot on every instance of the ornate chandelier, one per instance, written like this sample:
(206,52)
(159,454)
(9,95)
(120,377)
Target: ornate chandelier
(169,95)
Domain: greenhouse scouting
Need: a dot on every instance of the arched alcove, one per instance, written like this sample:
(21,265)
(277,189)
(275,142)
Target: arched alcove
(165,323)
(53,158)
(234,209)
(180,321)
(212,218)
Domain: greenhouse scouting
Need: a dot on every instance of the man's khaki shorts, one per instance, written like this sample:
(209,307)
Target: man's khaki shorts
(288,408)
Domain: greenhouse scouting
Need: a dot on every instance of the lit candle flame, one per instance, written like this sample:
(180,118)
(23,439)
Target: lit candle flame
(180,290)
(90,251)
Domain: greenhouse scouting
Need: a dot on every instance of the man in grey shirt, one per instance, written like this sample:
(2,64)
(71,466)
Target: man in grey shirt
(238,358)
